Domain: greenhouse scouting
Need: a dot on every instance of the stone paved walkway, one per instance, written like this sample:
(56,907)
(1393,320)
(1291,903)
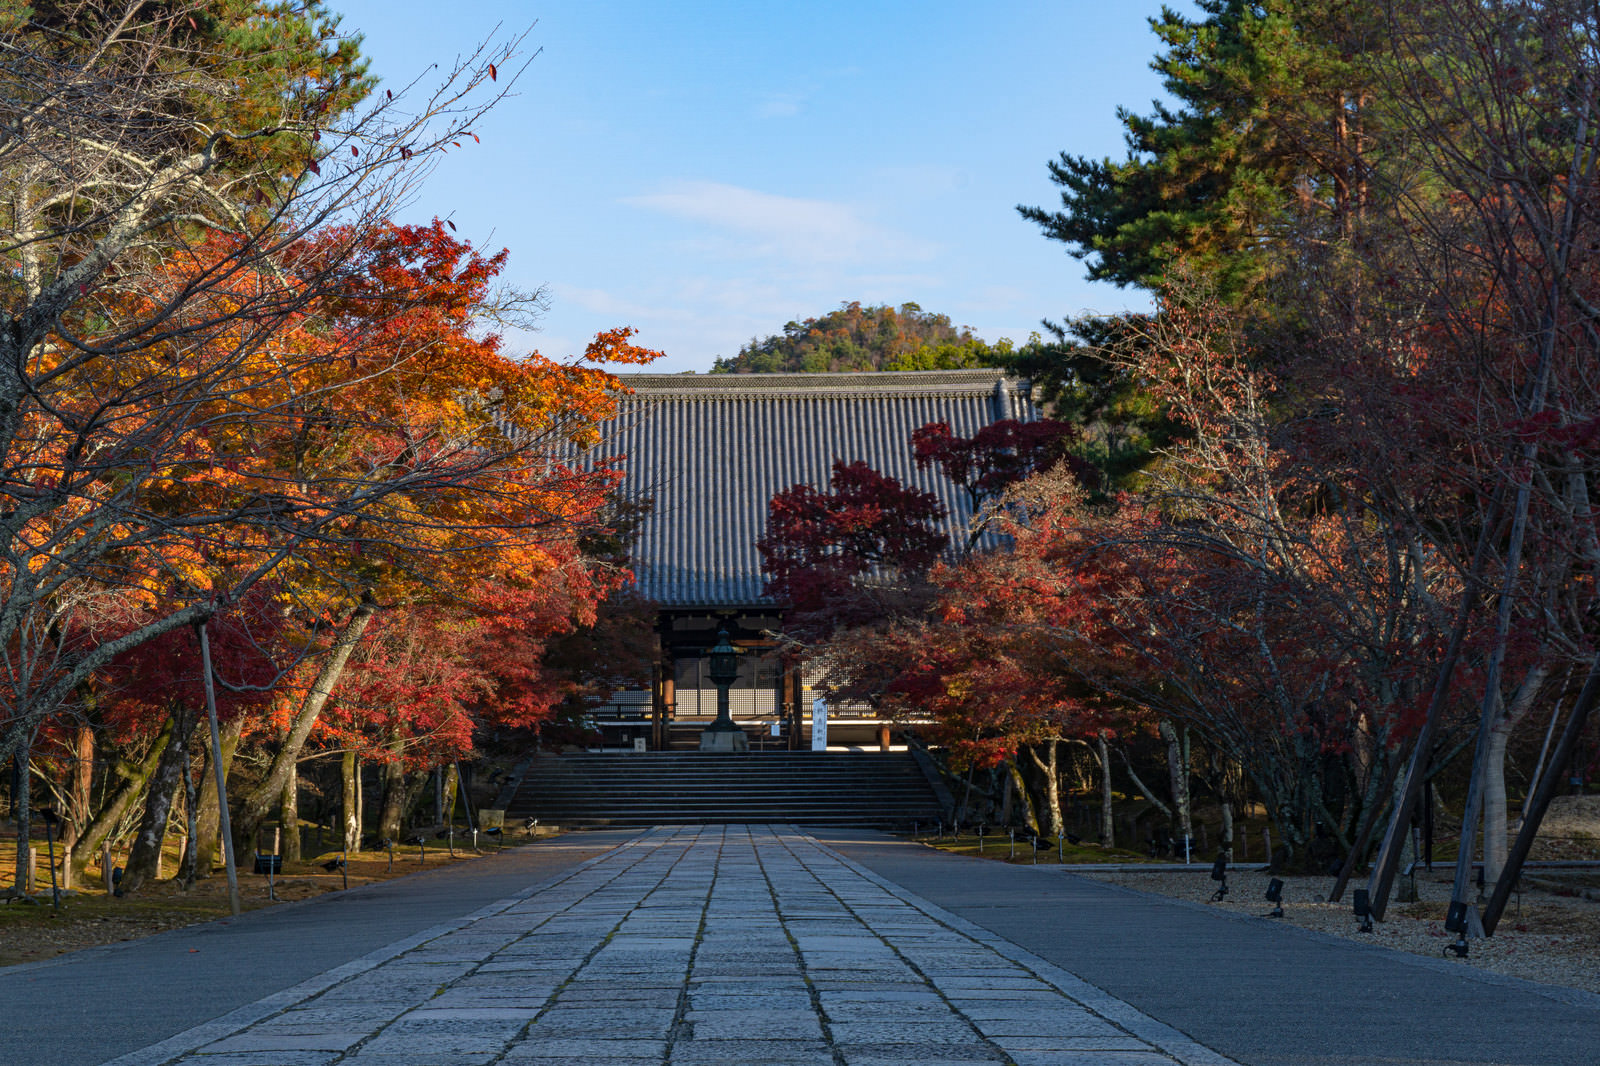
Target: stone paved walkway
(700,945)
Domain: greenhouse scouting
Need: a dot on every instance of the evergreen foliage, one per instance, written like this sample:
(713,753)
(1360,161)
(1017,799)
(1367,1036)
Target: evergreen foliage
(1262,154)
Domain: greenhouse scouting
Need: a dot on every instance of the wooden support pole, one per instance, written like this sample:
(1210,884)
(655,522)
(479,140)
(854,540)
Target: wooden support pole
(50,860)
(224,825)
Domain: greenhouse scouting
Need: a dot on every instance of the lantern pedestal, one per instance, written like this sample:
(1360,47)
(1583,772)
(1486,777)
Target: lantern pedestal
(713,738)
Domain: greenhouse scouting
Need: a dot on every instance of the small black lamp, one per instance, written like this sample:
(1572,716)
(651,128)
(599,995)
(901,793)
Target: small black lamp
(1455,921)
(1361,903)
(1275,897)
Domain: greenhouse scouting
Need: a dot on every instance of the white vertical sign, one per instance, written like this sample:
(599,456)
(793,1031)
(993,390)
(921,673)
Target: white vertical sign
(819,724)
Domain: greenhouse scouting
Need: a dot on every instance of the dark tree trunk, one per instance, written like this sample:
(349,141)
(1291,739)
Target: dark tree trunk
(289,818)
(1029,817)
(448,775)
(187,863)
(145,856)
(1005,800)
(21,809)
(1178,775)
(392,814)
(80,786)
(135,778)
(208,833)
(1108,828)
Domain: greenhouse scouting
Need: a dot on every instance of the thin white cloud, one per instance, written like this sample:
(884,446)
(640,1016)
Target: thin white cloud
(780,105)
(991,298)
(745,222)
(602,302)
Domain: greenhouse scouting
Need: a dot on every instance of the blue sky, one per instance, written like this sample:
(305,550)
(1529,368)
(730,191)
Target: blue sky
(707,171)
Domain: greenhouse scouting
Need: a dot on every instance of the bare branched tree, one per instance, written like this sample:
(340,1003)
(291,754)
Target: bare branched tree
(180,190)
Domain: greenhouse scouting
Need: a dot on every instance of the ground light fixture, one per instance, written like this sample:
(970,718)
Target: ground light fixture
(1361,903)
(1455,921)
(1219,873)
(1275,897)
(340,865)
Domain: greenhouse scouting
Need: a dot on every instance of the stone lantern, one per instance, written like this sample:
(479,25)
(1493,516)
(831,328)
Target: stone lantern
(723,734)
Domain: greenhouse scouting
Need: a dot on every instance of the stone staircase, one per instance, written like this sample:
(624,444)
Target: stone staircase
(697,788)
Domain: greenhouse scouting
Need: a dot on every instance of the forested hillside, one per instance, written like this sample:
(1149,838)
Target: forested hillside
(874,337)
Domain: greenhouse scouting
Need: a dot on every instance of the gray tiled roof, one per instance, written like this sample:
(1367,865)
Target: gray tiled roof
(712,449)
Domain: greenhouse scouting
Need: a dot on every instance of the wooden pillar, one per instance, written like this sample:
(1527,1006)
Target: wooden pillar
(658,709)
(669,702)
(791,687)
(780,688)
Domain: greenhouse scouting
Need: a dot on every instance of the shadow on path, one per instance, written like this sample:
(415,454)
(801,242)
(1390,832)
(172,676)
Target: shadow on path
(89,1006)
(1261,993)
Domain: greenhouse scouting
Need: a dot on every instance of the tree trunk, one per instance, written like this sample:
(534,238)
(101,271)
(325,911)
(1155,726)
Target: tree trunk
(145,856)
(289,818)
(1020,787)
(134,780)
(350,800)
(1495,842)
(1108,827)
(21,810)
(260,802)
(207,833)
(449,776)
(1540,802)
(1052,785)
(188,862)
(1144,789)
(1407,893)
(415,788)
(80,787)
(392,813)
(1178,772)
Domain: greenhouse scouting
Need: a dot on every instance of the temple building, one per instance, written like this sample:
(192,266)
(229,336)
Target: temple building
(709,451)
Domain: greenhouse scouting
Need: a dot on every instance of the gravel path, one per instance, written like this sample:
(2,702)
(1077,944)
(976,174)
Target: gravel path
(1547,938)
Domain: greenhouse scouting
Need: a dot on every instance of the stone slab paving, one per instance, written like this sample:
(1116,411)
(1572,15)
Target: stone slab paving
(698,946)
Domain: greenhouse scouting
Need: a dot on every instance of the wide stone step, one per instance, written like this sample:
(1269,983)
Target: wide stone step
(650,788)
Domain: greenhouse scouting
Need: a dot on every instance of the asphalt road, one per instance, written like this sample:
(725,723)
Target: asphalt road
(93,1005)
(1256,991)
